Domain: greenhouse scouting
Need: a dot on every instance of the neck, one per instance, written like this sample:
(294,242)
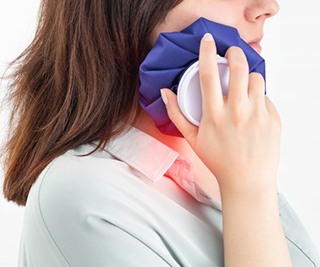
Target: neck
(203,176)
(146,124)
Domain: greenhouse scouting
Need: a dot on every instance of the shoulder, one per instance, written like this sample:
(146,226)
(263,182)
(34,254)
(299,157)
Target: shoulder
(78,197)
(75,179)
(81,205)
(72,187)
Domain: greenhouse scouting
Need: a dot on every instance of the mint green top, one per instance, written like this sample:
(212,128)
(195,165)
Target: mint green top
(133,204)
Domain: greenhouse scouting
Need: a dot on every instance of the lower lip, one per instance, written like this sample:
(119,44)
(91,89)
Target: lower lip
(256,46)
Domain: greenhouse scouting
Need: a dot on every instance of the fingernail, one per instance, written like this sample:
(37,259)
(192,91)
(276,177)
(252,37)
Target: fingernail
(207,37)
(164,97)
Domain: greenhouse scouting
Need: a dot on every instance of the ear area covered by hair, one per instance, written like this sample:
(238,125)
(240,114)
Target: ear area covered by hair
(170,57)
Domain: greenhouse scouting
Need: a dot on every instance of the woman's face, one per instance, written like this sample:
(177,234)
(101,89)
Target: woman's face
(248,16)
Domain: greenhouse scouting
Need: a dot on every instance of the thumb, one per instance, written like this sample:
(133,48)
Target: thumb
(188,130)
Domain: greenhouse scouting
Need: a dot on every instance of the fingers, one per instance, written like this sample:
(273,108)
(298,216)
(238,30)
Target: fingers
(212,97)
(239,76)
(256,91)
(188,130)
(273,111)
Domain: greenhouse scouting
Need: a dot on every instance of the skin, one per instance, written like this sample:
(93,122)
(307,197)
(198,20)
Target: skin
(248,16)
(236,147)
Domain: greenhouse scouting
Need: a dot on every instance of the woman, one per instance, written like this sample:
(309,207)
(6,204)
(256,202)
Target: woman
(137,197)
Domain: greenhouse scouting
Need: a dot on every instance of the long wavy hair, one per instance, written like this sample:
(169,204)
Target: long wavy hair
(77,82)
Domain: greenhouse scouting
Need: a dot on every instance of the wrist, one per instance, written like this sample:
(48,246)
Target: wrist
(247,184)
(249,194)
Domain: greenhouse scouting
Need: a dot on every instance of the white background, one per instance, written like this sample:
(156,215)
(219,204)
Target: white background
(292,52)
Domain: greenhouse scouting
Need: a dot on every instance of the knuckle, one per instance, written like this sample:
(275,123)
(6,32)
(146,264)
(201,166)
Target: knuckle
(172,115)
(205,78)
(238,65)
(275,124)
(206,75)
(212,117)
(238,116)
(237,102)
(260,119)
(213,120)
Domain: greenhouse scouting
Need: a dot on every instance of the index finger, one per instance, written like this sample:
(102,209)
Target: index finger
(212,97)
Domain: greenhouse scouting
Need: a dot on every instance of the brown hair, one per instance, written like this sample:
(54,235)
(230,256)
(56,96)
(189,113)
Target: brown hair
(77,82)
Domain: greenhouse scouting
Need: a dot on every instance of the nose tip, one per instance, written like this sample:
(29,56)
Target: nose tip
(274,8)
(262,10)
(271,10)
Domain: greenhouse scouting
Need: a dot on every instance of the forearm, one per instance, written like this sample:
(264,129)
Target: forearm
(252,231)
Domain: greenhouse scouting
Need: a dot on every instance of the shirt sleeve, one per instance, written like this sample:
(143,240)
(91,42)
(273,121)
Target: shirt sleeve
(301,247)
(94,219)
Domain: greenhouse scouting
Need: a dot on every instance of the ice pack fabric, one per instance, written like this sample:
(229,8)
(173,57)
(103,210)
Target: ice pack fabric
(170,57)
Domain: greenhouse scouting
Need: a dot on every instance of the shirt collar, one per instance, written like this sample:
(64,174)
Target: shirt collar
(143,152)
(155,160)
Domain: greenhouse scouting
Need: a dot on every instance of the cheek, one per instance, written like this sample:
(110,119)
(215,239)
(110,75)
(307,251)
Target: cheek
(224,12)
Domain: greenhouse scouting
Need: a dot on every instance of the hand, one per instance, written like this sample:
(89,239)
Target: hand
(239,135)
